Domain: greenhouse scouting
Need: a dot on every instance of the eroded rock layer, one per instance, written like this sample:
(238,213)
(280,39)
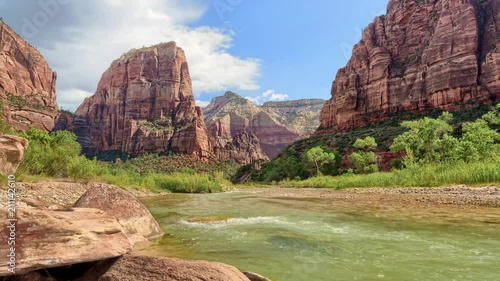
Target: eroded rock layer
(27,84)
(420,55)
(266,129)
(144,103)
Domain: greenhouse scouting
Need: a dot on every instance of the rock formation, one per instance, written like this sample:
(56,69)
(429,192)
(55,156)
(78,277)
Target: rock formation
(130,268)
(242,148)
(420,55)
(274,125)
(27,84)
(137,268)
(12,151)
(46,239)
(144,103)
(135,218)
(299,116)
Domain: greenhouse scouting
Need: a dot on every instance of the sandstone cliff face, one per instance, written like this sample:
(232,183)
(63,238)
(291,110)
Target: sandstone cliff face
(421,55)
(27,84)
(275,124)
(144,103)
(299,116)
(242,148)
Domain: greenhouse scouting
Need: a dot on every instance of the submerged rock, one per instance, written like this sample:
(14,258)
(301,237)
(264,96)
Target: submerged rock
(255,277)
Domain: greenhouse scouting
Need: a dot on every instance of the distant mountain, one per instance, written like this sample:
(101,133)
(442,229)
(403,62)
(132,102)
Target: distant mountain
(274,124)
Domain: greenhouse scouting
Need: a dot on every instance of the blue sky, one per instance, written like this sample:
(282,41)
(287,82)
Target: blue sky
(263,50)
(300,44)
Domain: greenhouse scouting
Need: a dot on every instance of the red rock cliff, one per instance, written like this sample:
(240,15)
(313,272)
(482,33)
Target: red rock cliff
(144,103)
(27,84)
(421,55)
(231,114)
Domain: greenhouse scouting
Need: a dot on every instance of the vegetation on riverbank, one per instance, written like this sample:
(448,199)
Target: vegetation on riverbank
(459,148)
(57,155)
(422,176)
(439,151)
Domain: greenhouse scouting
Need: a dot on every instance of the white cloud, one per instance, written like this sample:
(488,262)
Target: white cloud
(100,31)
(72,98)
(269,95)
(202,103)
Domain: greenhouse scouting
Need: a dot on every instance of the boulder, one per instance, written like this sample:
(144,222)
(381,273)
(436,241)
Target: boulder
(48,239)
(12,151)
(135,268)
(135,218)
(131,268)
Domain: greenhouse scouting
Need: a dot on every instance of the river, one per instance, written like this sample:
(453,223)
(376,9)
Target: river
(314,239)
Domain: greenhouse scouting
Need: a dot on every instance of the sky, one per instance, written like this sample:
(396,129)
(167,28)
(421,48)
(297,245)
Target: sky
(262,50)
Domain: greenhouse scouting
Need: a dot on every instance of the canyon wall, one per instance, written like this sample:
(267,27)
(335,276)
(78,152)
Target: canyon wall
(27,84)
(271,126)
(144,104)
(421,55)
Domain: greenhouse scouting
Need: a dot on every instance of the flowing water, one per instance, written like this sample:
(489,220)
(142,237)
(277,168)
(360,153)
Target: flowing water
(306,239)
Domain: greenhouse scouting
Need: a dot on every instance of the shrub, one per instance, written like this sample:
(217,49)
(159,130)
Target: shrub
(81,168)
(49,154)
(365,160)
(182,183)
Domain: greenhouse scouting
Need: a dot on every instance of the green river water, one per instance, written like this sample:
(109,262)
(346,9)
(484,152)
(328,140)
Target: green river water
(302,239)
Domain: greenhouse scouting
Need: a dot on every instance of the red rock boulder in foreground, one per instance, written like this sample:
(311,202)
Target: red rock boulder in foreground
(27,84)
(144,103)
(421,55)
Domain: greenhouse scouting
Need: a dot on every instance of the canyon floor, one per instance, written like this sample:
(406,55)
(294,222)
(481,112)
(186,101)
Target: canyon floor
(488,196)
(65,193)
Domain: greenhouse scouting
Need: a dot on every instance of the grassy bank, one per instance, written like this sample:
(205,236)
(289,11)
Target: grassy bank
(424,176)
(57,155)
(176,182)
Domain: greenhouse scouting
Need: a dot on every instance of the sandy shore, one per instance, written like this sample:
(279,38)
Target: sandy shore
(488,196)
(57,193)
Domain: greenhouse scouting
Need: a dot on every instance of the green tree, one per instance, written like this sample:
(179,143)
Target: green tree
(365,159)
(367,144)
(480,139)
(317,157)
(428,140)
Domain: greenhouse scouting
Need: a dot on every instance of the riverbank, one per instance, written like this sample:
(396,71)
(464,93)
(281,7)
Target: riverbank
(65,193)
(488,196)
(60,193)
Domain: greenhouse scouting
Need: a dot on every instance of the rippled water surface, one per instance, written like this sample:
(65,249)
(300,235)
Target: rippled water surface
(321,239)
